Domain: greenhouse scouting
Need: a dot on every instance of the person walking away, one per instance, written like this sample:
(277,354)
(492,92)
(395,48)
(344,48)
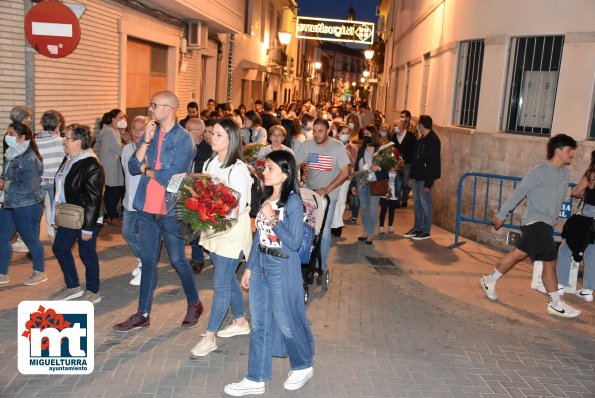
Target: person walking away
(273,276)
(51,149)
(425,169)
(80,182)
(545,187)
(21,211)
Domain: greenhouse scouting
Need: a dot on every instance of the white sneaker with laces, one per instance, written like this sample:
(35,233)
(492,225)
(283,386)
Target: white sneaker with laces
(136,280)
(19,246)
(563,310)
(244,387)
(381,230)
(233,329)
(585,294)
(488,288)
(390,229)
(204,347)
(138,269)
(297,378)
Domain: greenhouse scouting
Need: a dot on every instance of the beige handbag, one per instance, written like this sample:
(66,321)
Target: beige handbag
(69,216)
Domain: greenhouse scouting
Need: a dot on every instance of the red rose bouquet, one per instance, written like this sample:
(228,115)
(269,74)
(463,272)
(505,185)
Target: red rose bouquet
(206,205)
(250,155)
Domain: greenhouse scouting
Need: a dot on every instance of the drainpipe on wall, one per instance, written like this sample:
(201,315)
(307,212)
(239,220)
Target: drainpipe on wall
(29,73)
(230,65)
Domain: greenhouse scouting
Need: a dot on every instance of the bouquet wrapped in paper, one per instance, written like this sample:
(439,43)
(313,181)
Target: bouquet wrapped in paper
(250,155)
(387,158)
(206,205)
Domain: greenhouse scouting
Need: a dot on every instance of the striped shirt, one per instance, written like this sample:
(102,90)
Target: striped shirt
(51,149)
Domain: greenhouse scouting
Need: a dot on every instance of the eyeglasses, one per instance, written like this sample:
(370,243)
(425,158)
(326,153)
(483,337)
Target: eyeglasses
(153,105)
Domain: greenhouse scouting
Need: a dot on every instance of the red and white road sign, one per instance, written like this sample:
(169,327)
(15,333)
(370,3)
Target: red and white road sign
(52,29)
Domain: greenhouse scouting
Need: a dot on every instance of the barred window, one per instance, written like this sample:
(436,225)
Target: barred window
(469,71)
(533,70)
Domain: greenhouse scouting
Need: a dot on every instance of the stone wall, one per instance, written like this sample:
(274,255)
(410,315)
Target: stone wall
(466,150)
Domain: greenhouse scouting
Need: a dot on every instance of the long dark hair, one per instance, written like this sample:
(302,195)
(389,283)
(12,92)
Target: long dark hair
(23,130)
(286,163)
(234,148)
(107,117)
(590,173)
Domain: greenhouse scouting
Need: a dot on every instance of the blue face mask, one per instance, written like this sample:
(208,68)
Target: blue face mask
(11,141)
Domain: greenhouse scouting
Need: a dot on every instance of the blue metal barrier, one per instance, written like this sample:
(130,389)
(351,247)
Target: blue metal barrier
(482,218)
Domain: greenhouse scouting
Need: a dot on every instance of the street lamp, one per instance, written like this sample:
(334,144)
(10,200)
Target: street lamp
(353,84)
(366,73)
(317,65)
(284,38)
(368,54)
(363,80)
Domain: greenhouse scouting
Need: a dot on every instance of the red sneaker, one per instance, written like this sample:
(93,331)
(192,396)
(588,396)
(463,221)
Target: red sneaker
(193,314)
(135,321)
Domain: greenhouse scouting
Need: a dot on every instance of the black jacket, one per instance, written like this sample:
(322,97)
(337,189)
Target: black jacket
(84,187)
(406,147)
(425,165)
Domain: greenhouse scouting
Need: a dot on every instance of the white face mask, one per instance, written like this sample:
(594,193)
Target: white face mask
(344,138)
(122,124)
(397,131)
(351,126)
(11,141)
(383,134)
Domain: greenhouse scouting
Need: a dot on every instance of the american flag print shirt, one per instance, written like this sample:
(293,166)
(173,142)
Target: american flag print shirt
(320,162)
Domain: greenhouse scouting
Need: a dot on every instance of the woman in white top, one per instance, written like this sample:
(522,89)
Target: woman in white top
(229,248)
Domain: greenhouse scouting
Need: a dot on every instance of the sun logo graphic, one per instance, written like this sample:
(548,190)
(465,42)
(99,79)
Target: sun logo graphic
(56,337)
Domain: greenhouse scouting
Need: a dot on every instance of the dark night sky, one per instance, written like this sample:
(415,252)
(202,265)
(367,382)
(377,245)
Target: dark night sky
(365,10)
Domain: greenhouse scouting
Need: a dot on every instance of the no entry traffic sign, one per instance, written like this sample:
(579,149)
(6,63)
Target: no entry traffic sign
(52,29)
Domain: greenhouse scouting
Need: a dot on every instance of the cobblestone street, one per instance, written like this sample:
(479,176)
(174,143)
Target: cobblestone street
(422,328)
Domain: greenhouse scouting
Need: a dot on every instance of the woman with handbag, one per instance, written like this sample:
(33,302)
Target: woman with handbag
(585,189)
(79,188)
(21,210)
(274,278)
(227,249)
(374,186)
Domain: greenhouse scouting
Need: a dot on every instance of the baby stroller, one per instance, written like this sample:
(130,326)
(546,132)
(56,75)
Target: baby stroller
(316,212)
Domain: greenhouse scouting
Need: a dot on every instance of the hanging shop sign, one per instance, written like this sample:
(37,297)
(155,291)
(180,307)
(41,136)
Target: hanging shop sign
(335,30)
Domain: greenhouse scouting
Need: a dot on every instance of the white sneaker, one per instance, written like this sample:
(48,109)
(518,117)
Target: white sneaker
(563,310)
(488,288)
(381,230)
(138,269)
(585,294)
(390,229)
(234,330)
(136,280)
(19,246)
(297,378)
(204,347)
(244,387)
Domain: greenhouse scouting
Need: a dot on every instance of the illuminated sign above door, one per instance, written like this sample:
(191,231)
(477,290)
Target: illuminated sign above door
(335,30)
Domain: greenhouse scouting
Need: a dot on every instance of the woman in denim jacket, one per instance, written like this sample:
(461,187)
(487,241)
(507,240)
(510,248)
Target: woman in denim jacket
(274,277)
(22,209)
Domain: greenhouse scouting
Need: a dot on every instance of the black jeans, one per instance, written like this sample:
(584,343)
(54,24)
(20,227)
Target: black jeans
(390,205)
(111,198)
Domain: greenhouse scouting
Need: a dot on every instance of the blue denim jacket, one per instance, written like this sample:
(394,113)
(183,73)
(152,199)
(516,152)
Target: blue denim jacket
(177,152)
(22,179)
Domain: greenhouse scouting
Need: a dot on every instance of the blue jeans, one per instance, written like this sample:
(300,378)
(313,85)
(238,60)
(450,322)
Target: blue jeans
(154,227)
(369,208)
(326,239)
(24,220)
(277,308)
(62,248)
(422,207)
(227,290)
(354,204)
(198,255)
(565,254)
(111,198)
(130,231)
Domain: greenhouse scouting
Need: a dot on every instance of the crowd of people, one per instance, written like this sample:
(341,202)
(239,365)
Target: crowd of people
(121,176)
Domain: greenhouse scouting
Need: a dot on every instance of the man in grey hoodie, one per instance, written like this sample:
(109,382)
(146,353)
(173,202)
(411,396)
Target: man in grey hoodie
(545,187)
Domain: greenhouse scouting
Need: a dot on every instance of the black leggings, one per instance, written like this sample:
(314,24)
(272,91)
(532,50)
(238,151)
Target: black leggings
(391,205)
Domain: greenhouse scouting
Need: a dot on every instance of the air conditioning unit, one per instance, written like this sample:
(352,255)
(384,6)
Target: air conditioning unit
(198,35)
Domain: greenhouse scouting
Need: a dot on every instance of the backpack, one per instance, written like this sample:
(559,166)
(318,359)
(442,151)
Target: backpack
(305,249)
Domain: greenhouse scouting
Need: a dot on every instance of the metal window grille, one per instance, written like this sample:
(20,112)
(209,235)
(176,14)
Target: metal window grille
(469,82)
(533,71)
